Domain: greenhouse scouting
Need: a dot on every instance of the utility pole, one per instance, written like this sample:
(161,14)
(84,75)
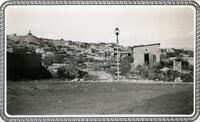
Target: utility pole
(117,34)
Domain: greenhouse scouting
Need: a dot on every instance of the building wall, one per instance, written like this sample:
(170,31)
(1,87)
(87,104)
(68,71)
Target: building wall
(140,51)
(25,66)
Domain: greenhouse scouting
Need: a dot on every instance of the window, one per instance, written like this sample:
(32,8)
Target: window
(154,58)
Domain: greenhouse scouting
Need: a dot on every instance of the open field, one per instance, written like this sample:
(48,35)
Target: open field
(57,97)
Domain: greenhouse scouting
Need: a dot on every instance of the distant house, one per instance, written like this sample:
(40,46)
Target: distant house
(163,51)
(39,50)
(49,49)
(9,49)
(125,53)
(146,54)
(91,50)
(23,50)
(170,50)
(67,43)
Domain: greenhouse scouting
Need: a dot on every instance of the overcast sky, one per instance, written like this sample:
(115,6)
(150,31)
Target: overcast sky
(171,26)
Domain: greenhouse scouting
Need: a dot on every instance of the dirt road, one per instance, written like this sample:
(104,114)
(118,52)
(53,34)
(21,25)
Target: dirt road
(61,98)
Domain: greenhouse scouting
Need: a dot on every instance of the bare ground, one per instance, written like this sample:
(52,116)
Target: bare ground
(60,98)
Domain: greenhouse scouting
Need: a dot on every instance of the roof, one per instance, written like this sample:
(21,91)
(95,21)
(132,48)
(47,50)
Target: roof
(146,45)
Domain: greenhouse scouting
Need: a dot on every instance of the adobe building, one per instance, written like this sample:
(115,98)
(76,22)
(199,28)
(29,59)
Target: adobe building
(146,54)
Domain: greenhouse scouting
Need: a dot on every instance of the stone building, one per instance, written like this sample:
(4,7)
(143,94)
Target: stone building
(146,54)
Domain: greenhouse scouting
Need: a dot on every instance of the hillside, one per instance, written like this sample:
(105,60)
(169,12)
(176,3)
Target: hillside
(60,46)
(73,58)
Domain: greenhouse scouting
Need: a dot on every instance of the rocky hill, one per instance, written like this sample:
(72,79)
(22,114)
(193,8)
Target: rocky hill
(33,42)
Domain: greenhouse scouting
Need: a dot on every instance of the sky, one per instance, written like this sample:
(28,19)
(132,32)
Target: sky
(171,26)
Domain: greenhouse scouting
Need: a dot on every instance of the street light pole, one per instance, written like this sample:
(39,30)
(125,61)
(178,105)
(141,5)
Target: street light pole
(117,34)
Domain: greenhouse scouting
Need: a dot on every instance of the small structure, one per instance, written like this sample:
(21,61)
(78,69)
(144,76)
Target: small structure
(177,65)
(39,50)
(170,50)
(29,33)
(24,66)
(9,49)
(146,54)
(125,53)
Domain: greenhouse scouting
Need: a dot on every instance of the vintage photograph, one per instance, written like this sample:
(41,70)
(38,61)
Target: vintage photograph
(100,60)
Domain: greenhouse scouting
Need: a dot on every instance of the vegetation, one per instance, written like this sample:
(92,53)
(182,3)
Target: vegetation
(79,56)
(125,65)
(48,60)
(154,72)
(71,72)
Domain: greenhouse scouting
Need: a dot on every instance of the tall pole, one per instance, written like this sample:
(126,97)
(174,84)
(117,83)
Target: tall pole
(117,58)
(117,34)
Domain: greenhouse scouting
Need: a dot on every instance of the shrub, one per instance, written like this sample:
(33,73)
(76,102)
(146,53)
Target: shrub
(71,72)
(168,64)
(172,74)
(142,70)
(48,60)
(152,72)
(187,77)
(125,66)
(111,70)
(155,73)
(187,66)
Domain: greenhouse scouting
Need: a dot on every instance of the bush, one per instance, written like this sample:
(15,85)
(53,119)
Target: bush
(168,64)
(125,66)
(48,60)
(155,73)
(111,70)
(187,66)
(71,72)
(187,77)
(172,74)
(142,70)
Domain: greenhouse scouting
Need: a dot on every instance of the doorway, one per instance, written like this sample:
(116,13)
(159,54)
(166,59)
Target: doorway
(146,58)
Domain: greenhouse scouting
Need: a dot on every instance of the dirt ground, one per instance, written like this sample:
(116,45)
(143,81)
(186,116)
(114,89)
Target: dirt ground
(53,97)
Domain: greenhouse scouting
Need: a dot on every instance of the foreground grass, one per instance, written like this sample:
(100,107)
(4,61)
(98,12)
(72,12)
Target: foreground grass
(56,97)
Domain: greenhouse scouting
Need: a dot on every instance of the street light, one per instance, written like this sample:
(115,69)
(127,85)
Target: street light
(117,34)
(117,31)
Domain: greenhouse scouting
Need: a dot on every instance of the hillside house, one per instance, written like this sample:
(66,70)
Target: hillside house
(22,50)
(170,50)
(146,54)
(39,50)
(9,49)
(125,53)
